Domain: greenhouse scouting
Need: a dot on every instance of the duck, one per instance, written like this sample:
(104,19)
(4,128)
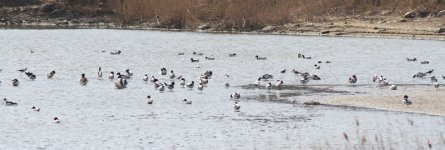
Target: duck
(260,58)
(313,77)
(232,55)
(15,82)
(56,120)
(406,101)
(266,77)
(121,83)
(317,66)
(268,86)
(411,59)
(182,82)
(308,57)
(111,75)
(170,86)
(179,77)
(156,85)
(51,74)
(116,53)
(236,107)
(153,79)
(129,74)
(299,55)
(9,103)
(380,79)
(279,84)
(122,76)
(210,58)
(145,78)
(200,87)
(161,88)
(35,109)
(353,79)
(194,60)
(235,95)
(149,100)
(283,71)
(304,80)
(227,75)
(199,54)
(419,75)
(163,71)
(327,62)
(30,75)
(208,74)
(182,53)
(172,75)
(191,84)
(204,80)
(83,80)
(99,73)
(22,70)
(384,82)
(226,84)
(187,101)
(436,84)
(393,87)
(425,62)
(433,79)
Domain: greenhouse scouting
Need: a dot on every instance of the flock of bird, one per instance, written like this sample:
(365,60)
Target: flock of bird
(121,81)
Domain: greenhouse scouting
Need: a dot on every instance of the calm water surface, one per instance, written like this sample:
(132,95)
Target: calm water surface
(98,116)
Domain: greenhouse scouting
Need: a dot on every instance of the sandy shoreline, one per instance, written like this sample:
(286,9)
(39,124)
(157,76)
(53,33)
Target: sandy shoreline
(428,101)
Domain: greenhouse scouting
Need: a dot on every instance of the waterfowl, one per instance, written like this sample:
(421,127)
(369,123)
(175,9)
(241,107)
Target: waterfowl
(200,87)
(170,86)
(236,107)
(309,57)
(121,82)
(116,53)
(22,70)
(182,82)
(406,101)
(425,62)
(268,86)
(161,88)
(235,95)
(257,82)
(172,75)
(122,76)
(31,51)
(15,82)
(419,75)
(266,77)
(226,84)
(227,75)
(319,62)
(194,60)
(327,62)
(179,77)
(300,56)
(111,75)
(304,80)
(380,79)
(30,75)
(51,74)
(436,84)
(433,79)
(199,54)
(129,74)
(149,100)
(163,71)
(99,73)
(145,78)
(187,101)
(210,58)
(384,82)
(191,85)
(153,79)
(353,79)
(279,84)
(156,85)
(35,108)
(208,74)
(393,87)
(260,58)
(56,120)
(283,71)
(232,55)
(182,53)
(317,66)
(9,103)
(83,80)
(204,80)
(411,59)
(430,71)
(313,77)
(374,78)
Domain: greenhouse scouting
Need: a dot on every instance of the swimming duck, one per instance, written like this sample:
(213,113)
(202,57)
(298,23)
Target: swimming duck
(191,85)
(182,53)
(129,74)
(163,71)
(15,82)
(419,75)
(353,79)
(22,70)
(172,75)
(121,82)
(266,77)
(187,101)
(179,77)
(236,107)
(260,58)
(116,53)
(149,100)
(182,82)
(204,80)
(299,55)
(56,120)
(99,73)
(153,79)
(393,87)
(199,54)
(194,60)
(83,80)
(406,101)
(317,66)
(111,75)
(425,62)
(9,103)
(51,74)
(235,95)
(122,76)
(411,59)
(283,71)
(433,79)
(30,75)
(226,84)
(210,58)
(161,88)
(35,108)
(232,55)
(208,74)
(304,80)
(170,86)
(200,87)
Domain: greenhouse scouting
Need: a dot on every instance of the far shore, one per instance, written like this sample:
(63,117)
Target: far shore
(425,100)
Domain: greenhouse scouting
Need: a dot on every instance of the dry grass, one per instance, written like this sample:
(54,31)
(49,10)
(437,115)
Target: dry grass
(243,14)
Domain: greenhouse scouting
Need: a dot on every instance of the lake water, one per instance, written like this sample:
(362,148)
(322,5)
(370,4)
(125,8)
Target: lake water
(98,116)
